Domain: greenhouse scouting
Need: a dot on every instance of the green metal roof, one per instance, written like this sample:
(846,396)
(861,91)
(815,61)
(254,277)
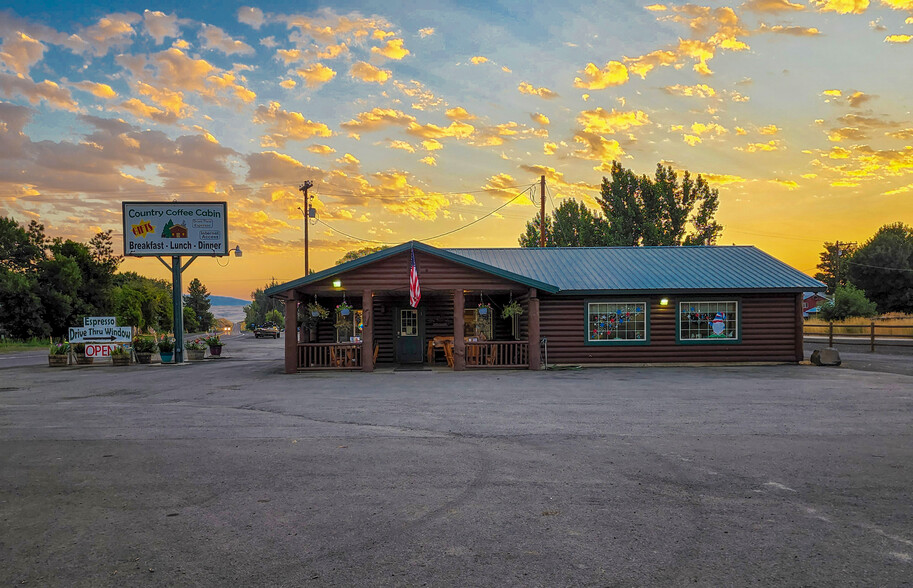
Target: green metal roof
(574,270)
(630,269)
(419,246)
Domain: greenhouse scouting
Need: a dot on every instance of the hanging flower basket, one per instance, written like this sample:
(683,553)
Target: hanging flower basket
(512,309)
(344,308)
(317,311)
(484,308)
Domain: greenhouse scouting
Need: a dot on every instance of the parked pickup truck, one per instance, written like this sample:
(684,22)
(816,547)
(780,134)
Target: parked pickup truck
(267,330)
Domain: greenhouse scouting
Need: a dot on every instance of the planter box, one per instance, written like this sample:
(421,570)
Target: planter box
(58,360)
(83,360)
(143,357)
(195,354)
(120,359)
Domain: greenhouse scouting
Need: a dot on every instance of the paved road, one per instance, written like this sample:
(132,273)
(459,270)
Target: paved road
(228,472)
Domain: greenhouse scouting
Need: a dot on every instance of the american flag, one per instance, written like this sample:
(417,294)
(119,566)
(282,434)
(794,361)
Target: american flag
(415,292)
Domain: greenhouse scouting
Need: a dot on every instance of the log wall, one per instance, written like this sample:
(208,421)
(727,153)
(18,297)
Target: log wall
(768,323)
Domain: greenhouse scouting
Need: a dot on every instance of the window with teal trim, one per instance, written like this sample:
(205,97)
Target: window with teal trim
(616,321)
(708,321)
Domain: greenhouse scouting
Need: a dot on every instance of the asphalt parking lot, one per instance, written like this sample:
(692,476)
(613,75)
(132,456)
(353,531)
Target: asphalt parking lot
(229,472)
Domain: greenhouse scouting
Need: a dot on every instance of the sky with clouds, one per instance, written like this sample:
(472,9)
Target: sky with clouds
(416,118)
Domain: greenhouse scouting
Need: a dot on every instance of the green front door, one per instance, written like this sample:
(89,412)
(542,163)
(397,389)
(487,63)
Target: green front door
(409,334)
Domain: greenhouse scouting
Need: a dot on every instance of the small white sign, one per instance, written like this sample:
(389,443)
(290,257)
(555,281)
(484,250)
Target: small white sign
(100,334)
(99,321)
(98,350)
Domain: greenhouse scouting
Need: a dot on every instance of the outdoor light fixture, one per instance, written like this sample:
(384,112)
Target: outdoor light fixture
(337,283)
(237,251)
(664,302)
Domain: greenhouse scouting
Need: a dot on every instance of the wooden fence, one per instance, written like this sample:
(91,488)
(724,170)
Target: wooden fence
(873,333)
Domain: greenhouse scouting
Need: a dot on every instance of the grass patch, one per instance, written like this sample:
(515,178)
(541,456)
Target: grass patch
(11,345)
(887,325)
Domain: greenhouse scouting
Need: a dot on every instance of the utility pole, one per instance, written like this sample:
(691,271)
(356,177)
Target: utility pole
(308,184)
(542,211)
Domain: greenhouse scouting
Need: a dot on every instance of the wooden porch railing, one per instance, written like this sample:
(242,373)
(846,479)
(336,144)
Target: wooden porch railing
(329,356)
(497,354)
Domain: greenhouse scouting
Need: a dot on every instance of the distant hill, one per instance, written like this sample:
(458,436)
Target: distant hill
(227,301)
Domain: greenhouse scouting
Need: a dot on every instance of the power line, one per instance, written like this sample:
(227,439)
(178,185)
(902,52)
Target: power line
(895,269)
(444,234)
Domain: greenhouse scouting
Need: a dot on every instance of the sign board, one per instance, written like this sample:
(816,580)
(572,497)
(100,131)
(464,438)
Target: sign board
(175,228)
(98,350)
(99,321)
(100,334)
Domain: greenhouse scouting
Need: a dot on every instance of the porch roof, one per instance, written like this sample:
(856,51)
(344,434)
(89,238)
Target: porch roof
(609,270)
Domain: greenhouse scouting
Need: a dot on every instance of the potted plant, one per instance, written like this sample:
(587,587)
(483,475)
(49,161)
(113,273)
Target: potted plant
(344,308)
(59,354)
(196,349)
(120,355)
(215,345)
(317,311)
(166,348)
(79,349)
(484,308)
(144,346)
(512,309)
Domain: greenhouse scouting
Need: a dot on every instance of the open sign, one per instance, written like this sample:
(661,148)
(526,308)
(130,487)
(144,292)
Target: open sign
(98,350)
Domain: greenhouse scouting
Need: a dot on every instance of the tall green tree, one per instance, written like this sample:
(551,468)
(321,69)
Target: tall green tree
(834,271)
(197,298)
(21,248)
(572,224)
(261,304)
(659,210)
(356,253)
(143,302)
(883,268)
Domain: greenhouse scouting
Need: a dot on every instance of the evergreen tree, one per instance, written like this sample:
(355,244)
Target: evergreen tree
(572,224)
(834,269)
(197,298)
(261,304)
(659,211)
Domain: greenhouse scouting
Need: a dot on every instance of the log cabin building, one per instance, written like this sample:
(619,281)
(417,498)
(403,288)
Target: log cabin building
(580,306)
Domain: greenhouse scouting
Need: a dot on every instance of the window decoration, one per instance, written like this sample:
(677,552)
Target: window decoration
(349,328)
(477,325)
(708,321)
(616,321)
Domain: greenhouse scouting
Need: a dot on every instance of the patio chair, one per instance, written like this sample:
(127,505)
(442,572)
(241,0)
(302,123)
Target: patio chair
(448,352)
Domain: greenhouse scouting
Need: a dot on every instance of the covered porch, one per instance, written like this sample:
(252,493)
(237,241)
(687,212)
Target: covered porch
(456,329)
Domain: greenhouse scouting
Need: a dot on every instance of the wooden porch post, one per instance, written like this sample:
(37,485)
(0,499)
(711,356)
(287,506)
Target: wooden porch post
(800,335)
(367,332)
(535,359)
(291,334)
(459,343)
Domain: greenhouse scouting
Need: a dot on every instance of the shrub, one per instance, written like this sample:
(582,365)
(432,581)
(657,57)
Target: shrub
(145,344)
(119,351)
(212,340)
(849,301)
